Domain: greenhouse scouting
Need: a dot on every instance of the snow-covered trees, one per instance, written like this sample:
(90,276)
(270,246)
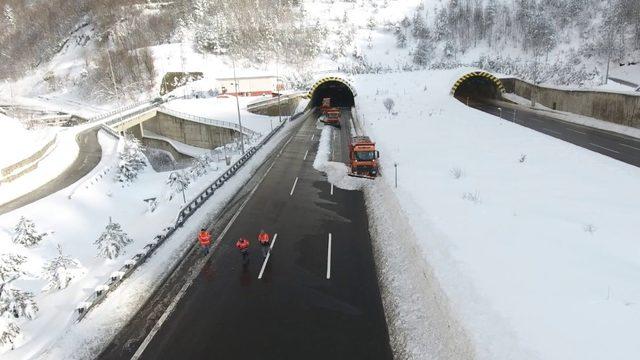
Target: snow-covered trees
(9,332)
(14,302)
(112,241)
(17,303)
(132,160)
(25,233)
(178,182)
(60,271)
(423,53)
(255,29)
(11,267)
(200,166)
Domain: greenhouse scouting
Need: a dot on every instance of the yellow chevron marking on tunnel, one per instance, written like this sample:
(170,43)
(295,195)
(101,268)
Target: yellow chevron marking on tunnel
(330,79)
(485,74)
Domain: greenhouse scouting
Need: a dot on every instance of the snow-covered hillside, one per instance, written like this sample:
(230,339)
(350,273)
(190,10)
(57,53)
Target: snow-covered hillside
(531,239)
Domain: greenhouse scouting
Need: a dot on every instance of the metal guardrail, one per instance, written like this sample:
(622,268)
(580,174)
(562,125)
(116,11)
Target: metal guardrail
(274,100)
(117,277)
(120,109)
(214,122)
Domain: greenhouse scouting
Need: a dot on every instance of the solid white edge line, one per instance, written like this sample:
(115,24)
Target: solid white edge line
(329,258)
(552,131)
(332,189)
(577,131)
(293,188)
(184,288)
(312,136)
(629,146)
(602,147)
(266,259)
(305,155)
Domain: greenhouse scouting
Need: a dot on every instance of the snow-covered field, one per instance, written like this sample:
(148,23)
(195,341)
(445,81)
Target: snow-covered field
(533,240)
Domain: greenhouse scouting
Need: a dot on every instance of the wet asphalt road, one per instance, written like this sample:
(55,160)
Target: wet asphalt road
(317,298)
(89,155)
(619,147)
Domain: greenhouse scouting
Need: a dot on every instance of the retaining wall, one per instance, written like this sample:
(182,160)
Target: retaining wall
(623,109)
(26,165)
(189,132)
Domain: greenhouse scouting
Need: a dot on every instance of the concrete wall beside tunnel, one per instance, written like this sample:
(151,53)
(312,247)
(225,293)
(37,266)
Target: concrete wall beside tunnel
(618,108)
(478,85)
(340,91)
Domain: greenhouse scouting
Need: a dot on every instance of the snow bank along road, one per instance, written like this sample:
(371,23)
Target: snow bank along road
(619,147)
(88,158)
(316,295)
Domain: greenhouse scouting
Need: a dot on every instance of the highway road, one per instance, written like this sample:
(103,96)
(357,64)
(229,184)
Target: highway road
(88,157)
(315,297)
(617,146)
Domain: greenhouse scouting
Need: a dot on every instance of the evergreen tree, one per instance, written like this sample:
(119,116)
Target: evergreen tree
(17,303)
(132,160)
(10,267)
(25,233)
(9,332)
(423,53)
(112,241)
(490,14)
(420,30)
(401,40)
(60,271)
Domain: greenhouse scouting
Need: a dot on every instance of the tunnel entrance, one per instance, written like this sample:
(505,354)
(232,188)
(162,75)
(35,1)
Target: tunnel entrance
(478,85)
(340,92)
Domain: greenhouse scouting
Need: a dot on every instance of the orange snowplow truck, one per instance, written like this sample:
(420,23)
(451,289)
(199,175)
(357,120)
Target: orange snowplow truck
(363,156)
(332,117)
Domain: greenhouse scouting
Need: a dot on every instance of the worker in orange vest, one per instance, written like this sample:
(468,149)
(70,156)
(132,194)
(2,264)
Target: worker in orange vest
(265,241)
(243,246)
(205,240)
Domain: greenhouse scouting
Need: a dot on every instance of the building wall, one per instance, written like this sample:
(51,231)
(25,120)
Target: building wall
(189,132)
(260,85)
(612,107)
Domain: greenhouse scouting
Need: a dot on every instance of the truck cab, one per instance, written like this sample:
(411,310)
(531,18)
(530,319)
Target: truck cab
(363,157)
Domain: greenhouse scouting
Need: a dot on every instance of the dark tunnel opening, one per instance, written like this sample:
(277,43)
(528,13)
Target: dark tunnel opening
(340,94)
(477,87)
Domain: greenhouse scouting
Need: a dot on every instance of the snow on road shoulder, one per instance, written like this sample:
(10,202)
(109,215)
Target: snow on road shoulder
(337,172)
(532,240)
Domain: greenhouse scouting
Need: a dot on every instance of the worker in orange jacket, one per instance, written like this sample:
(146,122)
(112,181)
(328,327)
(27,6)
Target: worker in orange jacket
(265,241)
(243,246)
(205,240)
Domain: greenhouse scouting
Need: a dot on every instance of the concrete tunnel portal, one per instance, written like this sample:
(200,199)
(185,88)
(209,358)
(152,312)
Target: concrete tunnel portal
(340,91)
(478,85)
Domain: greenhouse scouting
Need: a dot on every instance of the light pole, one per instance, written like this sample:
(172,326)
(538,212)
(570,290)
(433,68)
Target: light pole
(235,81)
(277,87)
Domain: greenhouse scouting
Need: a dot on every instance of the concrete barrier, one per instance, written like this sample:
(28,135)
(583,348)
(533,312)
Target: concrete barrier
(617,108)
